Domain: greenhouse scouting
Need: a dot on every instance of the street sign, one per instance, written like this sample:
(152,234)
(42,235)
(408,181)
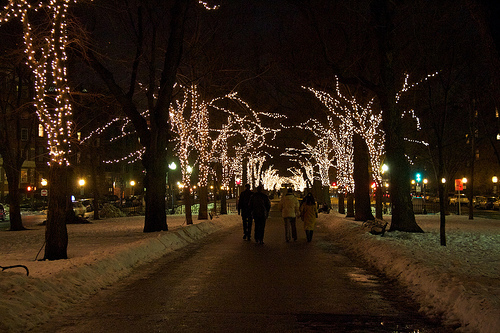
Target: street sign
(44,193)
(459,185)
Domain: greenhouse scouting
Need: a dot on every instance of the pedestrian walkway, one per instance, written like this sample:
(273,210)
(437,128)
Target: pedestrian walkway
(227,284)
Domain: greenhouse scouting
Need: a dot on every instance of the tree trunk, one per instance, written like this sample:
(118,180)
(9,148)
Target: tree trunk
(403,218)
(363,211)
(13,176)
(350,205)
(442,214)
(203,211)
(223,202)
(473,124)
(60,211)
(156,172)
(326,196)
(341,202)
(187,205)
(443,198)
(94,164)
(378,202)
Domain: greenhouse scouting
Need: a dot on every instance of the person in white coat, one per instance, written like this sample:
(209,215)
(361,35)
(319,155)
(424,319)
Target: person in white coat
(289,207)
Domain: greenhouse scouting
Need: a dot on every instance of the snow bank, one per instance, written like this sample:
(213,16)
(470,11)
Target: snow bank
(102,253)
(458,282)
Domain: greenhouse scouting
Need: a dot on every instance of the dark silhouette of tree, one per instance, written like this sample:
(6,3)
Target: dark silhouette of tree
(17,114)
(45,42)
(156,30)
(362,209)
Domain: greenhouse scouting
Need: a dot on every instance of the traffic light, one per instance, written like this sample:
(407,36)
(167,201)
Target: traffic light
(29,188)
(418,177)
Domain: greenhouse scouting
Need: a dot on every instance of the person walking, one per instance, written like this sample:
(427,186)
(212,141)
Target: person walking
(244,211)
(289,207)
(260,205)
(309,214)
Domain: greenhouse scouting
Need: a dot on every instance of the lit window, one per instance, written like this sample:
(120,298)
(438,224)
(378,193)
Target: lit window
(40,130)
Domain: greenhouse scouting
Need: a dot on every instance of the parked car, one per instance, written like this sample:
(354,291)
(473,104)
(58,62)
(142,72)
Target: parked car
(488,203)
(87,203)
(112,199)
(496,205)
(463,200)
(477,200)
(79,208)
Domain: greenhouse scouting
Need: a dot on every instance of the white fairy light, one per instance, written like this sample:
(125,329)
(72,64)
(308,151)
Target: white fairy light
(207,6)
(47,60)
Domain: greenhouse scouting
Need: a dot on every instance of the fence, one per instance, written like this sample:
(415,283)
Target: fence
(180,209)
(418,208)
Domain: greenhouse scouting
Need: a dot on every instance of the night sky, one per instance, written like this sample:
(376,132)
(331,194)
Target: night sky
(268,50)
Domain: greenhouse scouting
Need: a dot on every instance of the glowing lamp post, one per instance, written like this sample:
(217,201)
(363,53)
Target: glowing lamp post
(81,182)
(172,166)
(494,179)
(132,184)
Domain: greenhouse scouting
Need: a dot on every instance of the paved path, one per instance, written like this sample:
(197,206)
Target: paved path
(226,284)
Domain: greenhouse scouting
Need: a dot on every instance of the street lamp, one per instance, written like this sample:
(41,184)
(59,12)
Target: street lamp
(172,166)
(132,184)
(81,182)
(494,179)
(424,182)
(385,168)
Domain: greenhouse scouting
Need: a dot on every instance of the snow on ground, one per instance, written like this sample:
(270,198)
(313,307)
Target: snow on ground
(459,282)
(99,254)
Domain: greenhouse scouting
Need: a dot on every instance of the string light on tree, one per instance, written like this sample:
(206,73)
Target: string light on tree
(271,180)
(300,156)
(46,56)
(297,179)
(355,118)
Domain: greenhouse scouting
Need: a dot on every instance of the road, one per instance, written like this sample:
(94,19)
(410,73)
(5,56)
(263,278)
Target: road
(226,284)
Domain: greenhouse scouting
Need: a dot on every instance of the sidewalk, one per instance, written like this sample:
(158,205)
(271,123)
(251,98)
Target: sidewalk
(459,282)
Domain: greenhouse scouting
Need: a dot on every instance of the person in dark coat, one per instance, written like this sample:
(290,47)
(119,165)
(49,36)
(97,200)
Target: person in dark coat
(260,205)
(244,211)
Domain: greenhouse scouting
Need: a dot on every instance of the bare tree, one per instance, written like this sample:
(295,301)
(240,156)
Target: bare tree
(153,67)
(17,116)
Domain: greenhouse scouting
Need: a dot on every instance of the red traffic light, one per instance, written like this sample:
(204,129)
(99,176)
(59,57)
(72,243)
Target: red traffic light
(29,188)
